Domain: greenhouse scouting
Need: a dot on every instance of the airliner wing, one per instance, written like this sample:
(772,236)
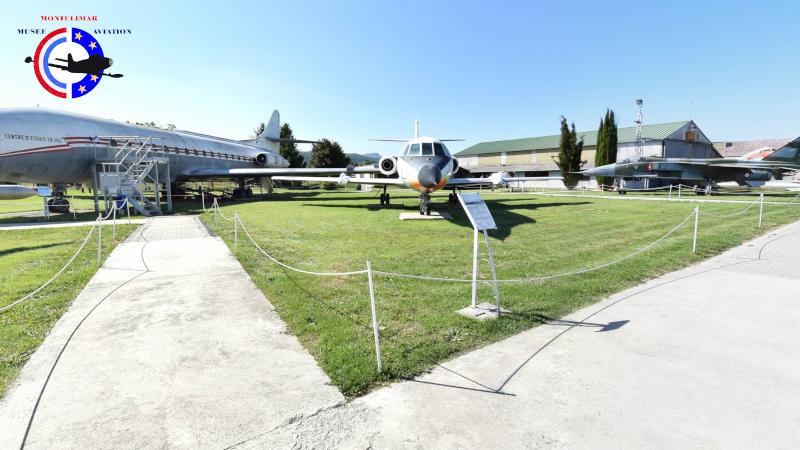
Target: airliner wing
(272,171)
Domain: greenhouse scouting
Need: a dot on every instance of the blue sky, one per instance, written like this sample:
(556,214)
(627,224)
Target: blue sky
(474,70)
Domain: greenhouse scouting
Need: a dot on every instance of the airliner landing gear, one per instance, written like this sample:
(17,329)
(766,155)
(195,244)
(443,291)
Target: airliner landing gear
(384,198)
(424,204)
(243,191)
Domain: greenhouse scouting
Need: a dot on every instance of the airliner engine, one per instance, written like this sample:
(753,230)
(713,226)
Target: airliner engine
(262,159)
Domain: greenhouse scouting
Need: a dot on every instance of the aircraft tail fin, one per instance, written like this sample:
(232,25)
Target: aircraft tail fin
(69,58)
(269,139)
(790,153)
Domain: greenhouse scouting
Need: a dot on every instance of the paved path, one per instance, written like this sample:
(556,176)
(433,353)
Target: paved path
(179,350)
(706,357)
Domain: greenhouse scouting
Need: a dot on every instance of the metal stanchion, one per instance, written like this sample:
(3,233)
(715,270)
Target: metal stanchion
(99,239)
(670,192)
(128,209)
(696,221)
(475,268)
(235,232)
(72,204)
(374,317)
(114,223)
(761,210)
(679,191)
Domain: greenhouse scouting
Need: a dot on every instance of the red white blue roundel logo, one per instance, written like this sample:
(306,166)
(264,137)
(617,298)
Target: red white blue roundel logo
(69,62)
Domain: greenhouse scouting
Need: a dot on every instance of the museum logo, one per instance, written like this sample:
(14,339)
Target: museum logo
(69,62)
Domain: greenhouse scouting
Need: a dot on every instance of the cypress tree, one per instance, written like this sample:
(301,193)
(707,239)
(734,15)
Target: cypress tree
(601,150)
(611,139)
(569,154)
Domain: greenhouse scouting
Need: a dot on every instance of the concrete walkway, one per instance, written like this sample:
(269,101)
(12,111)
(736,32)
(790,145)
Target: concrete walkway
(706,357)
(178,350)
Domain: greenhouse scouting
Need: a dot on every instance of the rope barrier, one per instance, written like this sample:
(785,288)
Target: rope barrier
(47,283)
(459,280)
(545,277)
(756,202)
(308,272)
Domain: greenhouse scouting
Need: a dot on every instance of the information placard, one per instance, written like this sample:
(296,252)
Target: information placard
(477,211)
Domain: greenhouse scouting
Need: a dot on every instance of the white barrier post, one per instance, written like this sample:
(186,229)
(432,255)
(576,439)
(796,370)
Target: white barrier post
(114,223)
(374,317)
(670,191)
(696,220)
(475,269)
(679,190)
(761,210)
(203,199)
(128,209)
(72,204)
(99,239)
(235,232)
(216,207)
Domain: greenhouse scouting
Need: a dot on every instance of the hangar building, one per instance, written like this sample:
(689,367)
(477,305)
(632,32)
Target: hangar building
(535,156)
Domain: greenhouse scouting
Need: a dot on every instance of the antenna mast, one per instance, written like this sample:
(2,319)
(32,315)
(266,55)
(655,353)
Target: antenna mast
(639,103)
(416,128)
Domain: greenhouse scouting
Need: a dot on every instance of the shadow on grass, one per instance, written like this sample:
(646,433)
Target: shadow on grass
(10,251)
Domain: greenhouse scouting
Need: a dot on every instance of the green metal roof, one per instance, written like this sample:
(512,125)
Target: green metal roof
(655,131)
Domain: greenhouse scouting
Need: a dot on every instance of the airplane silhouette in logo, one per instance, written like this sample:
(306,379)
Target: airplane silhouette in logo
(92,65)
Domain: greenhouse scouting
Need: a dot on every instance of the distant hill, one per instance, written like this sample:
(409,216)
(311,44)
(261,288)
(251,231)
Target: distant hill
(357,158)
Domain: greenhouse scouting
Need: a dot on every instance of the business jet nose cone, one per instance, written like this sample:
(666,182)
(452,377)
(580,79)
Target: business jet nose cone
(430,176)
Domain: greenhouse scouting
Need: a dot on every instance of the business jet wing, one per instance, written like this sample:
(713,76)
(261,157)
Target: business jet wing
(495,179)
(345,179)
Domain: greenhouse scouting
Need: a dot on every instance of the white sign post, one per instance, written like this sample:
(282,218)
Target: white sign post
(482,220)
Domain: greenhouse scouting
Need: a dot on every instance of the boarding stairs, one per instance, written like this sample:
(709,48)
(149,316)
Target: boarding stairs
(133,171)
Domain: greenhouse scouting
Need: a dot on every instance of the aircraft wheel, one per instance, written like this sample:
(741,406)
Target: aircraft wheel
(383,199)
(58,205)
(387,199)
(248,192)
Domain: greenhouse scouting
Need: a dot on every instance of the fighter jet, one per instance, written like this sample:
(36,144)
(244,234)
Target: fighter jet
(705,173)
(424,165)
(43,146)
(93,65)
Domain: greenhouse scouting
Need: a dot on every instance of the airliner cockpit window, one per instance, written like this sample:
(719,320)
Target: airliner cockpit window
(439,149)
(427,149)
(414,150)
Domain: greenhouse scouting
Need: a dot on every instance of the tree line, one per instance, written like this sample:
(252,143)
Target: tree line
(325,153)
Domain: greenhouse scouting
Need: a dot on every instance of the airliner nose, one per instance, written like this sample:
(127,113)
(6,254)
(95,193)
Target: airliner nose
(430,175)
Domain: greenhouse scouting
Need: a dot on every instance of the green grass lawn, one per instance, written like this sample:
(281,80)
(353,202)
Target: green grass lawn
(537,235)
(29,258)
